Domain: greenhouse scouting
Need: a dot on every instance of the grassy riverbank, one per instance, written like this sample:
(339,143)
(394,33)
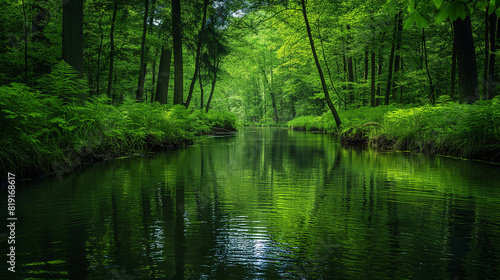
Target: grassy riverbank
(448,128)
(52,133)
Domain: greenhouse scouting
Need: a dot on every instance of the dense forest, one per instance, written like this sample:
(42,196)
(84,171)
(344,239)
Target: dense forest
(98,78)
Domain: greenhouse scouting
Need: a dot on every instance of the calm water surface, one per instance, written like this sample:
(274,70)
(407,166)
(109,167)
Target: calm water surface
(263,204)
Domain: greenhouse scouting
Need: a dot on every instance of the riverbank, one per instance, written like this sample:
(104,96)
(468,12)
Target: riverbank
(448,128)
(44,134)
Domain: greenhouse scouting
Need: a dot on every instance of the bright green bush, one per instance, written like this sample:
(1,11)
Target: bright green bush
(48,132)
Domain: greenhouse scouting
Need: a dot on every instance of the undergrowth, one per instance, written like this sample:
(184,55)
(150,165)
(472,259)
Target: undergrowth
(449,128)
(54,130)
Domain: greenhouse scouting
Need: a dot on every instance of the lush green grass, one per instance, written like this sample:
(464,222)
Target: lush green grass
(448,128)
(54,131)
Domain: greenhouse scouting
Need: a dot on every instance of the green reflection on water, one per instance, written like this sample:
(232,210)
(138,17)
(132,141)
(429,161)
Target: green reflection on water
(264,204)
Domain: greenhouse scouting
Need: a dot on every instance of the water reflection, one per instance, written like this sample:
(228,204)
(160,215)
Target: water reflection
(264,204)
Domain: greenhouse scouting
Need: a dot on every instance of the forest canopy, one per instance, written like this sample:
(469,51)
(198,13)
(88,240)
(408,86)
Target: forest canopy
(306,63)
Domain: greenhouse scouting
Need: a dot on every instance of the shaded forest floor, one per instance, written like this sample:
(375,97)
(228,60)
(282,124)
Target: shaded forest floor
(45,133)
(447,128)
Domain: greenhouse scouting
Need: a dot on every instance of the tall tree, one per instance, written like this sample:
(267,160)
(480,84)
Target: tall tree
(112,50)
(466,61)
(163,75)
(397,54)
(198,50)
(72,34)
(142,70)
(318,66)
(373,96)
(177,46)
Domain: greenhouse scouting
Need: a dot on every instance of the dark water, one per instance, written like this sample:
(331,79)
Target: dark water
(264,204)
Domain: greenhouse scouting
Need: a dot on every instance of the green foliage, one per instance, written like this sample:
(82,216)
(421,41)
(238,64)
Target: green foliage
(43,133)
(64,81)
(447,128)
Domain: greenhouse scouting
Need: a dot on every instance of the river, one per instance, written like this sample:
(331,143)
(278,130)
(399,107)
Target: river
(266,203)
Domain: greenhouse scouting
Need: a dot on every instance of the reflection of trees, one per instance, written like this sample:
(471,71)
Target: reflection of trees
(324,210)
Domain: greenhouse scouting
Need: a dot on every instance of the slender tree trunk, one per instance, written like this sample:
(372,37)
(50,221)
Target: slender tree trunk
(201,89)
(177,46)
(486,53)
(380,68)
(25,45)
(198,50)
(373,99)
(72,34)
(216,67)
(99,56)
(273,98)
(350,70)
(432,96)
(112,52)
(466,61)
(453,68)
(490,93)
(318,66)
(163,76)
(397,55)
(153,81)
(389,76)
(139,94)
(365,74)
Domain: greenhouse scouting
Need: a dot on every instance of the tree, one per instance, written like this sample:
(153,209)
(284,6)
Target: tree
(142,69)
(72,34)
(318,66)
(163,75)
(468,90)
(177,48)
(112,50)
(198,50)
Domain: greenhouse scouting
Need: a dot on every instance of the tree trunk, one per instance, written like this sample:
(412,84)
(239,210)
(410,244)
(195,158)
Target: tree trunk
(112,51)
(72,34)
(350,70)
(201,89)
(163,76)
(486,53)
(216,67)
(365,74)
(99,56)
(432,96)
(318,66)
(25,45)
(139,94)
(453,68)
(466,61)
(177,44)
(273,97)
(389,76)
(380,69)
(397,55)
(490,93)
(198,50)
(373,98)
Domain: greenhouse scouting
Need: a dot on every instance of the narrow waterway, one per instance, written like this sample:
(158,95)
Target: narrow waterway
(267,203)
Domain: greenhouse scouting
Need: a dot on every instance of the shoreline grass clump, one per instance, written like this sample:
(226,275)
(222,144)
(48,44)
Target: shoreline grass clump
(46,132)
(448,128)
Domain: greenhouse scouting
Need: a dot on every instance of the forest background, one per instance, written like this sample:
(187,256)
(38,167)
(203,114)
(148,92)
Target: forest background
(96,79)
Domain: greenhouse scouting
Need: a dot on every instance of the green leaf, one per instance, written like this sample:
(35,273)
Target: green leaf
(420,21)
(35,115)
(409,21)
(443,13)
(438,3)
(59,120)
